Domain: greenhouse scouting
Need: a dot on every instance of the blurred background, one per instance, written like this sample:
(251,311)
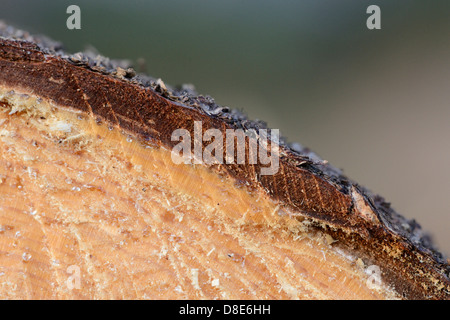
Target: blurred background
(375,103)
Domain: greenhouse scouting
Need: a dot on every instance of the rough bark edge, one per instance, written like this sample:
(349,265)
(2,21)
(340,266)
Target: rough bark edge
(410,263)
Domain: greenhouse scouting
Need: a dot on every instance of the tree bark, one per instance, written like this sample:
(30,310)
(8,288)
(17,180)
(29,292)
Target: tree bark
(92,204)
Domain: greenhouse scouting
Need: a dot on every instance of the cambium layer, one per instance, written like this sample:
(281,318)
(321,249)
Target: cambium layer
(87,180)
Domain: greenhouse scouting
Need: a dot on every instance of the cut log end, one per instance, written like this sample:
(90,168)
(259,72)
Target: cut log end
(93,206)
(75,193)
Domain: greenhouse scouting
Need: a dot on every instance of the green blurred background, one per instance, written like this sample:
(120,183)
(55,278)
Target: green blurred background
(375,103)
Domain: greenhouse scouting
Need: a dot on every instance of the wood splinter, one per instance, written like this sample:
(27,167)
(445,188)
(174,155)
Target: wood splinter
(92,204)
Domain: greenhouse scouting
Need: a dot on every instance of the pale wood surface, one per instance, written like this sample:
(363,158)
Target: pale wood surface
(74,193)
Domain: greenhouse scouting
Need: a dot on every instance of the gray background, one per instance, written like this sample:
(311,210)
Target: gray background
(374,103)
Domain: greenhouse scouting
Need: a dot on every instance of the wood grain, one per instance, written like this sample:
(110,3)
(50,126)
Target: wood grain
(138,226)
(305,189)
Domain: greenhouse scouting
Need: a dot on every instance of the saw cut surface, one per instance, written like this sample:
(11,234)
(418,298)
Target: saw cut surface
(87,211)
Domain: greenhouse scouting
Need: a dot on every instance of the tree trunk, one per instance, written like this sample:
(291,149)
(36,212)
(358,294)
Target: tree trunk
(93,203)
